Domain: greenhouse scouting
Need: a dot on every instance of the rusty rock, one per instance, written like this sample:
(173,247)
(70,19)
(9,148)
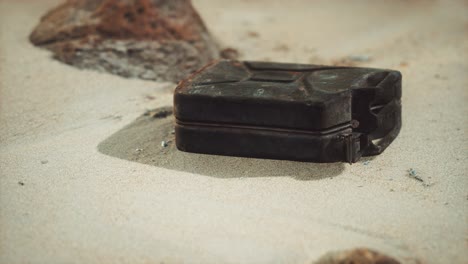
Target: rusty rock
(148,39)
(356,256)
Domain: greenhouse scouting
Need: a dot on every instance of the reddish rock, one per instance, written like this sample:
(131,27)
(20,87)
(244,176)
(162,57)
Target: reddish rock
(229,53)
(356,256)
(148,39)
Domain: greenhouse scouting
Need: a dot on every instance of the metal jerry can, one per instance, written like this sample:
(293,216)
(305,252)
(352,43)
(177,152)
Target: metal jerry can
(288,111)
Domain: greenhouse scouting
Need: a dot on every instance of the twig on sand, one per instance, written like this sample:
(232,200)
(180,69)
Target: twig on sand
(412,173)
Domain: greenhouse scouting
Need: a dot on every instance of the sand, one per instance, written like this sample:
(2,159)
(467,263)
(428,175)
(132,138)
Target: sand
(84,178)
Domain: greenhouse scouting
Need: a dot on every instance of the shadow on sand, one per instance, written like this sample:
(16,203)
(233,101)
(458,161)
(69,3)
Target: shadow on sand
(141,141)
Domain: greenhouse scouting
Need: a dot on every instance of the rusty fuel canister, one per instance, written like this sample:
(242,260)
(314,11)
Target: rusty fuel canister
(288,111)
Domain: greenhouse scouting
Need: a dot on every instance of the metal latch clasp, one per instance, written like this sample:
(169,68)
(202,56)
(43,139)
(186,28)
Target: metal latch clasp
(352,146)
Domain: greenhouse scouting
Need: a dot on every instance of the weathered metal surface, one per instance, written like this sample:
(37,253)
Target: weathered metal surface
(288,111)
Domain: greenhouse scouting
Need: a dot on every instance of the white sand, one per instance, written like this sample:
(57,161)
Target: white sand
(80,205)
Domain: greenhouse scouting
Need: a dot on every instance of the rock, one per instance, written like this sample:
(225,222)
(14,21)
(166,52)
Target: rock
(356,256)
(229,53)
(149,39)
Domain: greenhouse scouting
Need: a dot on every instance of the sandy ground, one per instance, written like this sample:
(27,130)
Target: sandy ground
(82,180)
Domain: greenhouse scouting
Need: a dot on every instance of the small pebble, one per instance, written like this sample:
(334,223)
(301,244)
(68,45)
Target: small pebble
(173,132)
(366,162)
(163,144)
(21,183)
(138,150)
(44,161)
(229,53)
